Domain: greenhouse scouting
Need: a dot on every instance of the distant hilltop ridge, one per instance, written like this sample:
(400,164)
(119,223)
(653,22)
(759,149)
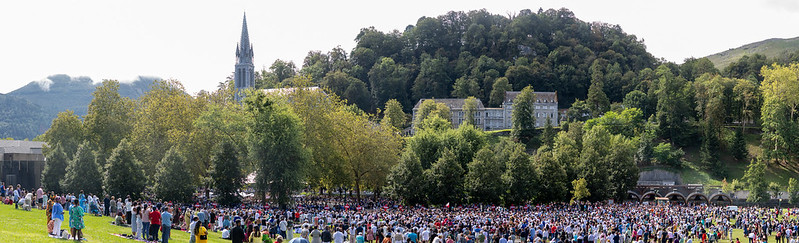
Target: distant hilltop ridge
(27,111)
(771,48)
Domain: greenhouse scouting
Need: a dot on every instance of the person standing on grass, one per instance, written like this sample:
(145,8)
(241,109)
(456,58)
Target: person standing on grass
(199,232)
(145,222)
(82,200)
(192,230)
(155,223)
(39,196)
(166,224)
(106,203)
(76,220)
(128,209)
(237,234)
(57,216)
(135,221)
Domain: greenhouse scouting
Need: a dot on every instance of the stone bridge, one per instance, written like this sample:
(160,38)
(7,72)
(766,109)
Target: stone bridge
(688,194)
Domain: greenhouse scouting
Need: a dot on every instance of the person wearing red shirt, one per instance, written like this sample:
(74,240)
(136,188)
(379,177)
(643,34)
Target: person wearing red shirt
(155,223)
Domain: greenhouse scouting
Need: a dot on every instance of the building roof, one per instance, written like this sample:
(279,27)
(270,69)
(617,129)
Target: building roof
(20,147)
(452,103)
(285,91)
(511,95)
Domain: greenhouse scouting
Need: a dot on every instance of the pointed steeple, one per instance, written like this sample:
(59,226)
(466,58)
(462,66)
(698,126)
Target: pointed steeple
(244,49)
(244,77)
(245,36)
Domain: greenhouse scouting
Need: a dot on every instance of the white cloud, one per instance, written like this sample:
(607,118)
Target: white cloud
(44,84)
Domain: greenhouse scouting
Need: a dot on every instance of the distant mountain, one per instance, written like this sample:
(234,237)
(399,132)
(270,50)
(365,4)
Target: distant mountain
(771,48)
(28,111)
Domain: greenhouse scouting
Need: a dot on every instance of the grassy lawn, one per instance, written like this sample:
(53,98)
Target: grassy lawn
(24,226)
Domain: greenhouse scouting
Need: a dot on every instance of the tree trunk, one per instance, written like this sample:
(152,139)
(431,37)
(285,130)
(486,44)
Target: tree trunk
(358,191)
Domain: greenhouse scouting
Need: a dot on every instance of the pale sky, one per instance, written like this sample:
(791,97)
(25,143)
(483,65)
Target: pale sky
(195,41)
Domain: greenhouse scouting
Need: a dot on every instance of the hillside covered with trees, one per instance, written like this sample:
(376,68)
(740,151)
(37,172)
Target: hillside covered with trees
(462,54)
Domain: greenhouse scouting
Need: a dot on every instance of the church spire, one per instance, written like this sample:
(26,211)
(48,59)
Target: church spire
(244,49)
(244,77)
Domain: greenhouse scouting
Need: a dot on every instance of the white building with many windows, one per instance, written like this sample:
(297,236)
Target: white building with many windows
(488,119)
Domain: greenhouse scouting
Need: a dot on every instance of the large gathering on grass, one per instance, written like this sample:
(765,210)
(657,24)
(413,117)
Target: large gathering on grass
(468,127)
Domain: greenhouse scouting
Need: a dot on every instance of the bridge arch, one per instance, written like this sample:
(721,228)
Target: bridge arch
(650,196)
(697,196)
(631,195)
(720,198)
(676,196)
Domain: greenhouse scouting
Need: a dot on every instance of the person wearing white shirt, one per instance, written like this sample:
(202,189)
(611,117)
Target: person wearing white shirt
(338,237)
(425,235)
(226,234)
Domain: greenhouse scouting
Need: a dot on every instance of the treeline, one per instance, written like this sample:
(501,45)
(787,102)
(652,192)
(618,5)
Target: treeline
(167,144)
(462,54)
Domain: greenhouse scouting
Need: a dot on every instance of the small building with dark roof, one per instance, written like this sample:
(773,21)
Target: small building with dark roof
(21,162)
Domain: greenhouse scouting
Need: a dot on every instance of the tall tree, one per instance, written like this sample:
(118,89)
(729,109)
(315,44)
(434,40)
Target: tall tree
(82,173)
(580,190)
(521,175)
(501,85)
(748,97)
(548,136)
(597,99)
(446,178)
(55,167)
(165,119)
(123,172)
(465,87)
(553,174)
(367,151)
(758,189)
(433,80)
(393,114)
(172,183)
(283,70)
(67,132)
(673,106)
(388,80)
(793,190)
(523,116)
(407,181)
(469,111)
(594,165)
(481,181)
(780,86)
(109,118)
(226,174)
(276,146)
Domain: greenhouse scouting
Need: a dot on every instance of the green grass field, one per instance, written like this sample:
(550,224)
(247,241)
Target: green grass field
(25,226)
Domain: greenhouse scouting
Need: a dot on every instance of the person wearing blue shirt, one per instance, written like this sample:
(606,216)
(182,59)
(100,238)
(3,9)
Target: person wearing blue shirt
(412,236)
(57,216)
(166,224)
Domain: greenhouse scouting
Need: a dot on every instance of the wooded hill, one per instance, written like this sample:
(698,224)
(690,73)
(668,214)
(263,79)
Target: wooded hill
(461,54)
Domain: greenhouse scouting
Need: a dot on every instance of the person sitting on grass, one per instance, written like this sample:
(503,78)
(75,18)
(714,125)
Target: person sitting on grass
(119,221)
(27,202)
(226,233)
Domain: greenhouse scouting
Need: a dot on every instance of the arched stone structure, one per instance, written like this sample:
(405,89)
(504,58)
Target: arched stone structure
(650,196)
(720,198)
(631,195)
(676,196)
(697,197)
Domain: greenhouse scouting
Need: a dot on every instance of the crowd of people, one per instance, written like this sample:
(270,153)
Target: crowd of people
(338,219)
